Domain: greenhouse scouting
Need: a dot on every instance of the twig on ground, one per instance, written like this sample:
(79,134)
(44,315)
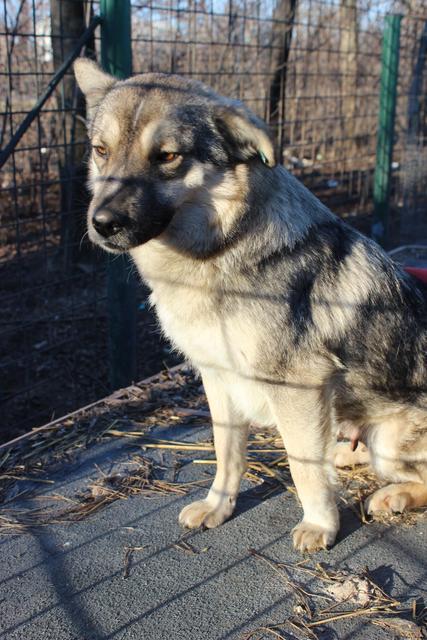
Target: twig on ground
(129,551)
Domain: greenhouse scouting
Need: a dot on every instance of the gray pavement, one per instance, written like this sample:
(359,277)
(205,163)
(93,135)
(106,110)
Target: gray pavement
(67,581)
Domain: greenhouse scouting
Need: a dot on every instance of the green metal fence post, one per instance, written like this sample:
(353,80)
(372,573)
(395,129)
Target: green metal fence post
(385,135)
(116,58)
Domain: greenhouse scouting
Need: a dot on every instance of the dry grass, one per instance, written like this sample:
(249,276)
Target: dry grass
(347,595)
(171,398)
(153,402)
(139,478)
(175,397)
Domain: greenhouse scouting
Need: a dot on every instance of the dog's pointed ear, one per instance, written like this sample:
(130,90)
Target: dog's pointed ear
(245,135)
(93,82)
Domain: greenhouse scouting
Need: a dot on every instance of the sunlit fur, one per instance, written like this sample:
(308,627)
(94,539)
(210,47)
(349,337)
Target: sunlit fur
(293,318)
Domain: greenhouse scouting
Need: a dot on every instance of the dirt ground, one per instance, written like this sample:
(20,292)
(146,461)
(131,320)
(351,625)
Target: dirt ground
(53,346)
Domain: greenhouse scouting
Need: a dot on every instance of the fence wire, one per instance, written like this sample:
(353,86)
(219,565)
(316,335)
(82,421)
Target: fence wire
(310,68)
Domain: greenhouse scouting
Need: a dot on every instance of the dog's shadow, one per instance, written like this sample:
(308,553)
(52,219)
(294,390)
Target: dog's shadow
(349,524)
(253,496)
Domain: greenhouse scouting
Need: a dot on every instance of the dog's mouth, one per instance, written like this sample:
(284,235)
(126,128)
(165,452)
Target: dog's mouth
(117,243)
(120,243)
(113,248)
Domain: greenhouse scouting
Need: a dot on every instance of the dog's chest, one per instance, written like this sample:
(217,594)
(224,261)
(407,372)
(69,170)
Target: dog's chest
(212,335)
(207,337)
(224,346)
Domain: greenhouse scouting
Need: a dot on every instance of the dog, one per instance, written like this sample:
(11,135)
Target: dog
(292,318)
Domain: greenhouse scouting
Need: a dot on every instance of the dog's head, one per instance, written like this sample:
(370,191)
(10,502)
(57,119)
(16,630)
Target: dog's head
(169,156)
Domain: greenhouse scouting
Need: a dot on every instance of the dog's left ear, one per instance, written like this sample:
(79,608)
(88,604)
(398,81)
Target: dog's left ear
(93,82)
(245,135)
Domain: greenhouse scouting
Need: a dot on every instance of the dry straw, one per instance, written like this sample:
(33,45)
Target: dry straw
(171,398)
(174,398)
(347,595)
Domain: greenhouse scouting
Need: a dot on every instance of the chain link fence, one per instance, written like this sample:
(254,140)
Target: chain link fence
(311,68)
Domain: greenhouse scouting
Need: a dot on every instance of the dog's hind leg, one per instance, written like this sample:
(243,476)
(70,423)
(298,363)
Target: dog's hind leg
(230,439)
(395,498)
(398,451)
(344,456)
(305,427)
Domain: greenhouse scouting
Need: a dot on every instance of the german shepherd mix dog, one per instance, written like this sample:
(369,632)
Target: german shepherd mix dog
(292,318)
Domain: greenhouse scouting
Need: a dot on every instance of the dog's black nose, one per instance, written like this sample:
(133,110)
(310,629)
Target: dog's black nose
(107,223)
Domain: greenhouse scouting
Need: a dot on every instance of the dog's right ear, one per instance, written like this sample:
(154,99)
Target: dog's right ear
(244,134)
(93,82)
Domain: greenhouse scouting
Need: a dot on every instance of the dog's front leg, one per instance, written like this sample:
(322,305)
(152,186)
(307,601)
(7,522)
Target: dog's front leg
(307,437)
(230,439)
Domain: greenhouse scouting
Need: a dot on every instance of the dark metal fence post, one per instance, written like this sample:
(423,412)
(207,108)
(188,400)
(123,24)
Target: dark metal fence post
(388,91)
(116,57)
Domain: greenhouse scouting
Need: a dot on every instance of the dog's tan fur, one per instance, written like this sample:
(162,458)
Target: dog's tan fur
(231,326)
(223,352)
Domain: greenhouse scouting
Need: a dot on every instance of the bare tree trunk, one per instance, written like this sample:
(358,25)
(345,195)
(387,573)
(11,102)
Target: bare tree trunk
(348,68)
(283,16)
(67,25)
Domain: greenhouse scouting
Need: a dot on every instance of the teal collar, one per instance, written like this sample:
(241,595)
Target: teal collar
(263,158)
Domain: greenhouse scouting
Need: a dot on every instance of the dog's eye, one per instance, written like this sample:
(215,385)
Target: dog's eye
(101,151)
(168,156)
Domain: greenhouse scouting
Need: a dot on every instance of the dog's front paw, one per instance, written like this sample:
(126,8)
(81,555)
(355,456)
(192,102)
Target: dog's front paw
(312,537)
(204,513)
(390,499)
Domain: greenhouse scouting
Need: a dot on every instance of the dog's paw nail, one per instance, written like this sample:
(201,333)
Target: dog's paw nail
(311,537)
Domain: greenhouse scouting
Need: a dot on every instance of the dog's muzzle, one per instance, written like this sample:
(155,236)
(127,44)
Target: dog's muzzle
(117,232)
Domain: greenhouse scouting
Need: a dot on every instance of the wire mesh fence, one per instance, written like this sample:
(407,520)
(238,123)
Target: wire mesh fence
(311,68)
(410,203)
(46,289)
